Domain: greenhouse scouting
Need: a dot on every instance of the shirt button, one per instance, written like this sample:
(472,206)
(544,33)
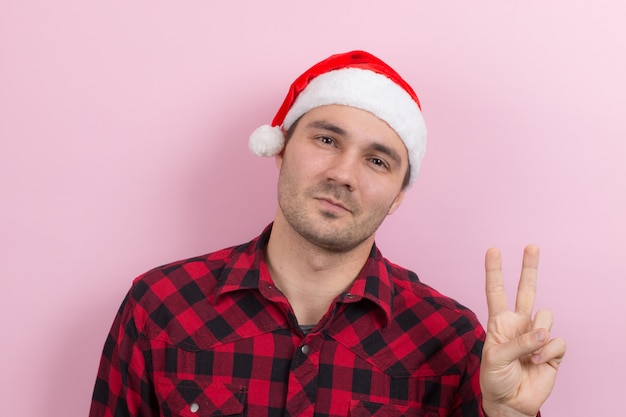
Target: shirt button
(305,349)
(194,407)
(350,295)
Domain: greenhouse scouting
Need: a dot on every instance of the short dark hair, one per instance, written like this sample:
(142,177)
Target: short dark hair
(292,128)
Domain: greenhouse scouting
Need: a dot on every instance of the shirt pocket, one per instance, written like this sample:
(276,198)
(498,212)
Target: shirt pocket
(193,398)
(372,409)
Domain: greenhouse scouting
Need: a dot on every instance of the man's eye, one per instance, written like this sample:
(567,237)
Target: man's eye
(326,140)
(378,162)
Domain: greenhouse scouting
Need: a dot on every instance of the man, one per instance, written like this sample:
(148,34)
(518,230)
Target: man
(309,319)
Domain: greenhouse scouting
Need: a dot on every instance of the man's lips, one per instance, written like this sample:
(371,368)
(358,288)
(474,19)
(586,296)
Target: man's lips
(332,203)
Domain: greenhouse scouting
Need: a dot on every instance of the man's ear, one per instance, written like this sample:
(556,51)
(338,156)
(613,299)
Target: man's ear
(279,157)
(396,202)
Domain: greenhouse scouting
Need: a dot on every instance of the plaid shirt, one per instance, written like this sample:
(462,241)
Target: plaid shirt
(213,336)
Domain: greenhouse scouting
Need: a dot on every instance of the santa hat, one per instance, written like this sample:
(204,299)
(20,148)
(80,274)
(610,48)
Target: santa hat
(357,79)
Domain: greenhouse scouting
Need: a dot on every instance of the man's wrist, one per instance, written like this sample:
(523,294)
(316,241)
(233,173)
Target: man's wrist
(501,410)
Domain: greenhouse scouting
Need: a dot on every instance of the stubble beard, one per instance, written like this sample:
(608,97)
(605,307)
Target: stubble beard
(326,233)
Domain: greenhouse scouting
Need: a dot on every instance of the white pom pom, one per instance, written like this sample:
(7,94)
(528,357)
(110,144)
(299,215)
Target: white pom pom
(266,141)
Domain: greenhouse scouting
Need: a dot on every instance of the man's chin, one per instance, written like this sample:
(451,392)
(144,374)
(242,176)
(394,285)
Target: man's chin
(334,241)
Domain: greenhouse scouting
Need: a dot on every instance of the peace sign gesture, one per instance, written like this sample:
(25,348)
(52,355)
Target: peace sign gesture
(520,361)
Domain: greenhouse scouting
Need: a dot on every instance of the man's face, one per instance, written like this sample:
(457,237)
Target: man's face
(341,174)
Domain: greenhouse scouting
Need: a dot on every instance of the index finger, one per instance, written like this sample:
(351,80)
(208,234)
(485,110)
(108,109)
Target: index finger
(527,287)
(494,283)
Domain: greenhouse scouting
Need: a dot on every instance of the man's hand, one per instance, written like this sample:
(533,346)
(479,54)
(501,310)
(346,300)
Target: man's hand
(520,360)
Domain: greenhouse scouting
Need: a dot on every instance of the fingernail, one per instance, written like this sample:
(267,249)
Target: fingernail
(536,358)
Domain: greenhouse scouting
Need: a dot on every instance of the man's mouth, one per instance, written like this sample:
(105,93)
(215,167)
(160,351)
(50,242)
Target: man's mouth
(332,204)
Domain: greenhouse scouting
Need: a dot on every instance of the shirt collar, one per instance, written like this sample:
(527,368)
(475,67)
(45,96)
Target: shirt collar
(247,270)
(373,283)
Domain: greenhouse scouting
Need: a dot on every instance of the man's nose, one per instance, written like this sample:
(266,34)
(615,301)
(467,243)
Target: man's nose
(343,170)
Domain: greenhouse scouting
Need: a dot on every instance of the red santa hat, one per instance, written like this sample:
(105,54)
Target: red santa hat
(357,79)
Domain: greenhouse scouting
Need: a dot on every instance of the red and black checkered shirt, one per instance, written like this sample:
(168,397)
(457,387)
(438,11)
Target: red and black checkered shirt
(212,336)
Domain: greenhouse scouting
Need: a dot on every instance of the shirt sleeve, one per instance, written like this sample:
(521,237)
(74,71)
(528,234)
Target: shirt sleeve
(470,397)
(122,387)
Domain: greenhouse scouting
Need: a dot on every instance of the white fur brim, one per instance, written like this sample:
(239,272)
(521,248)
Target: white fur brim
(373,92)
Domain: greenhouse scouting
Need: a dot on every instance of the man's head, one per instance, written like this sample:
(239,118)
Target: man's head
(341,175)
(356,79)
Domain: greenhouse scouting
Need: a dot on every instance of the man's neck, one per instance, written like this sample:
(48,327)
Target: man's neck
(310,277)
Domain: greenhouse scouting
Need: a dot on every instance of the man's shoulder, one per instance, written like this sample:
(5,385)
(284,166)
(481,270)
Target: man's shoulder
(413,293)
(197,274)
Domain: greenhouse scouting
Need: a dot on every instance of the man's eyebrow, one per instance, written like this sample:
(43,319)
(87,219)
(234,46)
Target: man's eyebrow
(322,124)
(376,146)
(391,153)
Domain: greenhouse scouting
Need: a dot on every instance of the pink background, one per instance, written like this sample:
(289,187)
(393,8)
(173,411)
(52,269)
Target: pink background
(124,126)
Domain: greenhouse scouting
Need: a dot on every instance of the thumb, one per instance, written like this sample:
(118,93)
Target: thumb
(522,345)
